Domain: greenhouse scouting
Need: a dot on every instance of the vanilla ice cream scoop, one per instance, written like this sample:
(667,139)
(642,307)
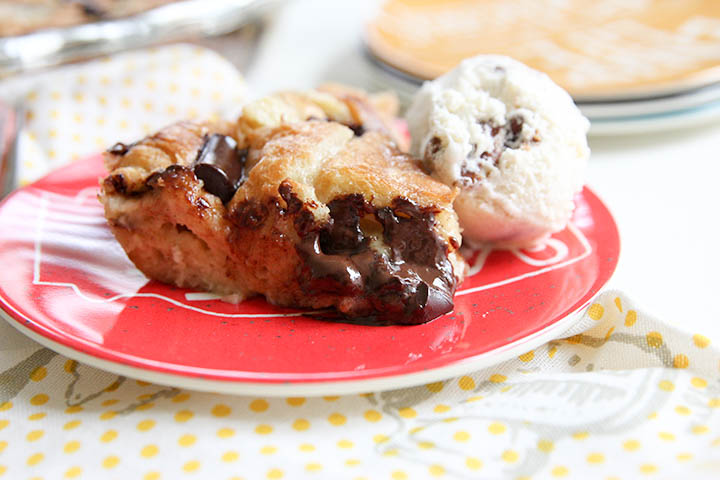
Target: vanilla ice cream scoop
(512,142)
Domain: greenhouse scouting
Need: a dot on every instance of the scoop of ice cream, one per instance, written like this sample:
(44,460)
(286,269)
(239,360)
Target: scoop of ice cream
(510,139)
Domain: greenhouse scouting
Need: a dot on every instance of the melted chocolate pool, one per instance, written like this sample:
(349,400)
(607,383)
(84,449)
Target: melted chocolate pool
(410,283)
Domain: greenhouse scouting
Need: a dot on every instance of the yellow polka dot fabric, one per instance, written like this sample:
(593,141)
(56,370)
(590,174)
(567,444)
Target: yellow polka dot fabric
(76,111)
(601,406)
(624,396)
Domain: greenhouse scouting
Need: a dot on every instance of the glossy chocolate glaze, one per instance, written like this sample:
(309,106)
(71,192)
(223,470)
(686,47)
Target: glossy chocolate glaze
(410,283)
(220,165)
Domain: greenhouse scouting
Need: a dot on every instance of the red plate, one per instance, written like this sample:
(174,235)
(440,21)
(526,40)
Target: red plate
(66,283)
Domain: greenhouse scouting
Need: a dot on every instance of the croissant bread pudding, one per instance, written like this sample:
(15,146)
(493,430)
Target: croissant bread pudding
(307,199)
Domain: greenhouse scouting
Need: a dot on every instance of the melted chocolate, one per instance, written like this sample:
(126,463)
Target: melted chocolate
(420,257)
(249,214)
(344,234)
(329,273)
(221,166)
(291,200)
(412,283)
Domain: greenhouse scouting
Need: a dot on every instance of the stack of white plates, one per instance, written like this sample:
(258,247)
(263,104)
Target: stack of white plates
(641,113)
(632,67)
(677,109)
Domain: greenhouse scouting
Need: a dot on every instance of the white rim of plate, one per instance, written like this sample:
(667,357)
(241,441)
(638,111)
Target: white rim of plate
(345,387)
(684,118)
(651,106)
(708,79)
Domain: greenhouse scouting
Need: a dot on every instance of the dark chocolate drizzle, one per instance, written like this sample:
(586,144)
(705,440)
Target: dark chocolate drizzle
(221,166)
(413,283)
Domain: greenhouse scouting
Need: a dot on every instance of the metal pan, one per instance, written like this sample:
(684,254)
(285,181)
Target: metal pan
(177,21)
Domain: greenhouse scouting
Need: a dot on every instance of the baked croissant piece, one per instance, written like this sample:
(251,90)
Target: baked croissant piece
(306,199)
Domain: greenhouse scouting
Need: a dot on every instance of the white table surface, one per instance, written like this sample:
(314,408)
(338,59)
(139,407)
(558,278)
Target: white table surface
(663,189)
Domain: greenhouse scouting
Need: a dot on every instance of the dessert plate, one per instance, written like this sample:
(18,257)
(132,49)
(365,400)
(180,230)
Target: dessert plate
(67,284)
(696,116)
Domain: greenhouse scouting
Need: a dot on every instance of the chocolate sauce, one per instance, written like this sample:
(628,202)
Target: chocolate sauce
(221,166)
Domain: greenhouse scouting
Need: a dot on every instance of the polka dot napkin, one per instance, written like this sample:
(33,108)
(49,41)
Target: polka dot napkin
(77,111)
(624,397)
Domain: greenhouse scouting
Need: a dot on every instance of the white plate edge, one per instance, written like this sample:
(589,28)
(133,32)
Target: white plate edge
(655,123)
(345,387)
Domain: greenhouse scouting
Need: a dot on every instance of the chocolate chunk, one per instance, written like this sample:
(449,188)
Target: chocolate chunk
(119,149)
(513,132)
(220,165)
(91,8)
(117,182)
(345,235)
(358,129)
(291,199)
(409,232)
(433,146)
(433,302)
